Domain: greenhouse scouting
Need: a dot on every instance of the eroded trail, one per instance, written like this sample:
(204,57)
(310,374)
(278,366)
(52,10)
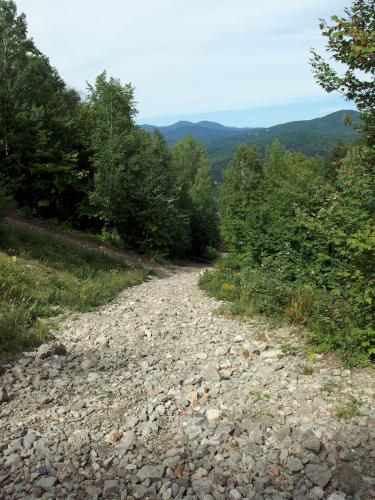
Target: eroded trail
(154,396)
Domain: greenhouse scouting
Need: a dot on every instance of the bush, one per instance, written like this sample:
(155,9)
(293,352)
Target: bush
(308,250)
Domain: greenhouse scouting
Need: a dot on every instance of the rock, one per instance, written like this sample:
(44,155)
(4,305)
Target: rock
(128,440)
(116,436)
(348,479)
(336,496)
(274,471)
(243,353)
(13,459)
(59,350)
(226,373)
(210,373)
(46,482)
(29,440)
(294,464)
(131,422)
(133,417)
(202,355)
(222,350)
(192,397)
(310,441)
(271,354)
(238,338)
(88,364)
(93,491)
(202,487)
(44,351)
(151,472)
(213,415)
(4,398)
(234,494)
(174,452)
(318,474)
(110,488)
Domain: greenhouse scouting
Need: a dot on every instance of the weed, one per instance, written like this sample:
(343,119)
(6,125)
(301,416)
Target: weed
(259,396)
(349,410)
(289,349)
(329,388)
(306,369)
(311,357)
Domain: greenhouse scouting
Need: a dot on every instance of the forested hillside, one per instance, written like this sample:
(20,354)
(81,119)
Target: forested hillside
(315,137)
(300,230)
(85,162)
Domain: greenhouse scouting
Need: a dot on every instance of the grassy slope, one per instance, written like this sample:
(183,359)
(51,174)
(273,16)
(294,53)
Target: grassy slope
(41,276)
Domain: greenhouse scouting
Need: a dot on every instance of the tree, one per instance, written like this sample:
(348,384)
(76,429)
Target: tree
(197,193)
(40,154)
(351,41)
(135,188)
(112,112)
(239,196)
(15,48)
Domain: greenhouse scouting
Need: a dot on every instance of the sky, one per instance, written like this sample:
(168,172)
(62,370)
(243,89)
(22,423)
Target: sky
(238,62)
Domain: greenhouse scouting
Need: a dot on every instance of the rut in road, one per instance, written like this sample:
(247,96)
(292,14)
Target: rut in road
(156,396)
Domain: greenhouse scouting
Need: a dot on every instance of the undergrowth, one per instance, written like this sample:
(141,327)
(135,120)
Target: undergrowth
(42,275)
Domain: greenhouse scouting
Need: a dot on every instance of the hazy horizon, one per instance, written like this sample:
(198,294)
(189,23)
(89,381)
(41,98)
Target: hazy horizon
(259,117)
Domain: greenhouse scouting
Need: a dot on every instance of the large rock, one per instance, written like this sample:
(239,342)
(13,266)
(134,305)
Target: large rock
(318,474)
(294,464)
(349,480)
(310,441)
(211,373)
(213,415)
(46,482)
(151,472)
(110,488)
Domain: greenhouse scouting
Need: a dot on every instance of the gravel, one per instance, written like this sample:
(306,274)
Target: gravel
(157,396)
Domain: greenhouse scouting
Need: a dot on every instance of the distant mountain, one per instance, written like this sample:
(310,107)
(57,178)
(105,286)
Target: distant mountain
(312,137)
(202,131)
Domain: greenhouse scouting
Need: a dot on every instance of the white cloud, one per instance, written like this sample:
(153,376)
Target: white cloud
(185,55)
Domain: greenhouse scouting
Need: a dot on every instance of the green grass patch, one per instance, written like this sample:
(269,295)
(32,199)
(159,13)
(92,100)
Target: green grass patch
(42,275)
(349,410)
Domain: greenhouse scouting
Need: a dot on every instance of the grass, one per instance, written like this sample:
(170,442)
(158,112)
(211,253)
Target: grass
(305,369)
(42,276)
(259,396)
(289,349)
(348,410)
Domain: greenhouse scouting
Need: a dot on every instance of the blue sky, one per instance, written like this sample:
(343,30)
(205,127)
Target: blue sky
(239,62)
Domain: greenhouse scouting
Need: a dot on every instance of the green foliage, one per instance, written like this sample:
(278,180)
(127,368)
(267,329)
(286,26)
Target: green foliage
(135,187)
(41,161)
(351,41)
(196,194)
(307,248)
(87,163)
(41,276)
(310,137)
(238,196)
(305,230)
(349,410)
(306,369)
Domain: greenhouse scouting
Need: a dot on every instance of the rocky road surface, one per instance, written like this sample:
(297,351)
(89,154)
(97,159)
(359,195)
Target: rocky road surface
(156,396)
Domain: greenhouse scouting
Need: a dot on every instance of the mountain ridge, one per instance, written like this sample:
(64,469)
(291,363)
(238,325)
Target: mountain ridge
(311,137)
